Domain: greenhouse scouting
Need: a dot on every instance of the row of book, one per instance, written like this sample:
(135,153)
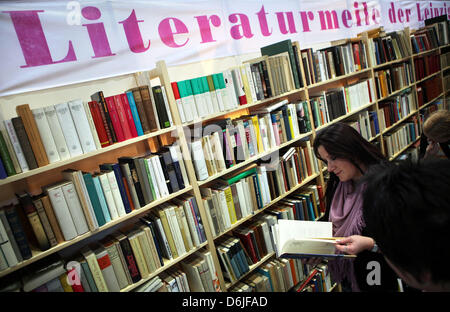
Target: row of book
(225,143)
(392,79)
(429,90)
(319,280)
(442,31)
(425,39)
(281,275)
(119,260)
(366,123)
(85,201)
(401,137)
(426,65)
(254,187)
(335,61)
(396,108)
(40,136)
(386,47)
(340,101)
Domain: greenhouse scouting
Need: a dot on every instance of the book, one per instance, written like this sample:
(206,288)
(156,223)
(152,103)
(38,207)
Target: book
(68,129)
(107,270)
(17,229)
(24,112)
(99,98)
(17,149)
(95,269)
(57,134)
(298,239)
(24,142)
(46,134)
(43,275)
(82,125)
(6,157)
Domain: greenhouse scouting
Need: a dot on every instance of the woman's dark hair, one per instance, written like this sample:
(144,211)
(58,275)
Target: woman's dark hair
(343,141)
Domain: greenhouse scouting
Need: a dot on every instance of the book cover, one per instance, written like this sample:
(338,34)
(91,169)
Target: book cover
(24,142)
(135,113)
(68,129)
(115,120)
(128,114)
(82,125)
(99,98)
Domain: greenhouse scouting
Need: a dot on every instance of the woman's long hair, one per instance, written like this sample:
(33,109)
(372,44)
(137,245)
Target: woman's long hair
(342,141)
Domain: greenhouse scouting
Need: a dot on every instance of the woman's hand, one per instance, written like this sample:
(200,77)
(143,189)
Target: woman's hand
(432,149)
(354,244)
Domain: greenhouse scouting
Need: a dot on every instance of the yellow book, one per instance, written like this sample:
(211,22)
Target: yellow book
(96,272)
(247,91)
(182,223)
(259,142)
(65,285)
(230,204)
(146,250)
(137,251)
(291,125)
(168,232)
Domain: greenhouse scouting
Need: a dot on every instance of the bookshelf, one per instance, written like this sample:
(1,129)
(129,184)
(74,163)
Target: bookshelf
(34,179)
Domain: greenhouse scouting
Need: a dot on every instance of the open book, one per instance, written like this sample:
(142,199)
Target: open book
(301,239)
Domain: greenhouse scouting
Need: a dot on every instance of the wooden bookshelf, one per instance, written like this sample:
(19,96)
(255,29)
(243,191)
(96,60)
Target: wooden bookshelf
(177,129)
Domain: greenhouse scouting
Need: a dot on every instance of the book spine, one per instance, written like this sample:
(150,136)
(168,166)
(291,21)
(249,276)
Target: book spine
(135,113)
(94,133)
(128,114)
(82,126)
(24,142)
(115,120)
(62,213)
(8,244)
(123,119)
(24,112)
(106,187)
(52,219)
(16,145)
(68,129)
(74,205)
(99,125)
(150,110)
(56,131)
(45,222)
(130,260)
(18,232)
(96,272)
(6,159)
(107,270)
(35,222)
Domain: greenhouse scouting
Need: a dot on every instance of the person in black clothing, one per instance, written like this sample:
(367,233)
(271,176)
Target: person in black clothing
(435,139)
(348,156)
(407,212)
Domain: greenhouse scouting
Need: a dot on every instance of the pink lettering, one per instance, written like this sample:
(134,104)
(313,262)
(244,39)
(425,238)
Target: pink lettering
(376,16)
(245,25)
(32,39)
(282,22)
(346,17)
(205,28)
(263,22)
(419,14)
(133,34)
(305,15)
(97,33)
(167,34)
(400,15)
(391,14)
(329,22)
(408,14)
(358,18)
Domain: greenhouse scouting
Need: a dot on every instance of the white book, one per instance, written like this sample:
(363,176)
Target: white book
(251,82)
(263,131)
(200,105)
(46,135)
(6,247)
(181,112)
(108,196)
(82,125)
(154,179)
(107,269)
(217,152)
(224,207)
(242,200)
(193,276)
(215,102)
(238,85)
(68,129)
(16,145)
(175,229)
(58,136)
(220,92)
(267,239)
(87,111)
(160,174)
(190,108)
(199,160)
(232,100)
(62,212)
(71,197)
(248,199)
(116,262)
(208,99)
(116,193)
(206,255)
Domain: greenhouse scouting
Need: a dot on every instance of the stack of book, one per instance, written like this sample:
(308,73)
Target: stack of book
(40,136)
(129,255)
(392,79)
(335,61)
(396,108)
(424,39)
(401,137)
(225,143)
(426,65)
(387,47)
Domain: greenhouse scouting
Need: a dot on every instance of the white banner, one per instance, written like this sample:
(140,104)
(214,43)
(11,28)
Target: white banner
(46,44)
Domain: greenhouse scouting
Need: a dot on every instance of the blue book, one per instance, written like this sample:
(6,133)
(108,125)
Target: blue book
(3,174)
(152,228)
(299,209)
(89,278)
(257,190)
(94,198)
(200,228)
(266,274)
(134,112)
(102,199)
(17,231)
(119,179)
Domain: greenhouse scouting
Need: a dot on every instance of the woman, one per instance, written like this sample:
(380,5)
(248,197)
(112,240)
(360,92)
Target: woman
(435,139)
(348,156)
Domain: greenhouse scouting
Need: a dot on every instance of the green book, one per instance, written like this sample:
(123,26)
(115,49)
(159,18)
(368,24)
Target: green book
(88,180)
(241,176)
(280,47)
(6,158)
(149,176)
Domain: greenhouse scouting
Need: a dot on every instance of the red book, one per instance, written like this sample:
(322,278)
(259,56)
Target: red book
(247,242)
(115,118)
(356,55)
(321,198)
(98,122)
(122,117)
(128,114)
(75,280)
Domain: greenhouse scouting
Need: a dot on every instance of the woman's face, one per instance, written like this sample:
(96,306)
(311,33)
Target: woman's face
(341,167)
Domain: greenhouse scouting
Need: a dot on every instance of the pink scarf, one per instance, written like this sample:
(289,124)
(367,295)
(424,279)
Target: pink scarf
(346,216)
